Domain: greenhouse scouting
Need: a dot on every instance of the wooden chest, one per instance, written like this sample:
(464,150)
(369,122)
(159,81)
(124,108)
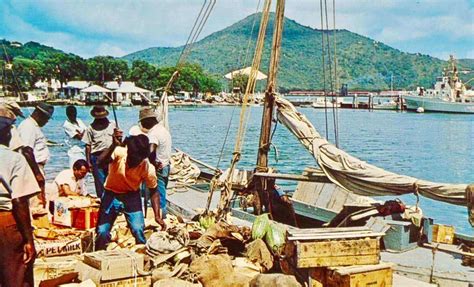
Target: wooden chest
(324,247)
(115,264)
(443,233)
(378,275)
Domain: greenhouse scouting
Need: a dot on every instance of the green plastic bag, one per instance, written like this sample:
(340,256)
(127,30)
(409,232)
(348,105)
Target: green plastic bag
(260,226)
(275,237)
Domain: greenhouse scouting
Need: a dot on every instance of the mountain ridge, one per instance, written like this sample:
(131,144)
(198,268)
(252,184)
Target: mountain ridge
(363,63)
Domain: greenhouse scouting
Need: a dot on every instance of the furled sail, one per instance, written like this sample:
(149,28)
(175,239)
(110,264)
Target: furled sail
(356,175)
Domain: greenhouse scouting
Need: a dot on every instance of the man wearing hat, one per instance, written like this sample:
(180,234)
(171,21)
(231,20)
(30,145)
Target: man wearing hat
(98,137)
(160,154)
(15,143)
(17,185)
(33,137)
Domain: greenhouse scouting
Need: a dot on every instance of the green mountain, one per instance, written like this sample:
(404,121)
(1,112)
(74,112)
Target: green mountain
(29,50)
(362,62)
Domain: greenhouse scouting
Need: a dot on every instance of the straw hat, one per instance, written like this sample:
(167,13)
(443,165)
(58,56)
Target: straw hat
(99,112)
(46,109)
(7,117)
(146,113)
(14,108)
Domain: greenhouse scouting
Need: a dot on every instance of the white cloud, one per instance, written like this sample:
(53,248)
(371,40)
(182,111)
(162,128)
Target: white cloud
(120,27)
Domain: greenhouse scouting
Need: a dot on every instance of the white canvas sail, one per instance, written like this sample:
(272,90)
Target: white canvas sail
(356,175)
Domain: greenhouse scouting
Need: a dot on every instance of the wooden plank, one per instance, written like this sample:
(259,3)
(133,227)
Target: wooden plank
(313,212)
(383,277)
(337,248)
(296,177)
(312,233)
(338,261)
(327,229)
(361,268)
(322,237)
(348,233)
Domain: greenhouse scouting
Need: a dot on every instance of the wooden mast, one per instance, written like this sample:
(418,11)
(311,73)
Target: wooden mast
(263,185)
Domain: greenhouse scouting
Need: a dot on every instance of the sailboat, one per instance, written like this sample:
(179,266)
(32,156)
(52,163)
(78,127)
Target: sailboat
(339,181)
(448,95)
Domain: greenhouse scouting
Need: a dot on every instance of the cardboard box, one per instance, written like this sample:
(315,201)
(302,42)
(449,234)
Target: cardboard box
(59,247)
(443,233)
(53,267)
(360,276)
(62,214)
(84,218)
(115,264)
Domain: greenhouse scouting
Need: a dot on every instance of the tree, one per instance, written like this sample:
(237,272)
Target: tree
(144,75)
(101,69)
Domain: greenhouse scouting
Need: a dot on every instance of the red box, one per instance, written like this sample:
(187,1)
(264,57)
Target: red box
(85,218)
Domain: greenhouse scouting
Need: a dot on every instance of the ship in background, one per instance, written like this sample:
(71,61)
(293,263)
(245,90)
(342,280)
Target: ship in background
(449,95)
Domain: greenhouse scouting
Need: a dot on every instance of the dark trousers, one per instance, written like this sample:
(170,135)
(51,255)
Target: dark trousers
(99,173)
(13,272)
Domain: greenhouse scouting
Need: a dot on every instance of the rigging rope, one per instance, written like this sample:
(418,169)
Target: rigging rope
(217,174)
(245,61)
(324,70)
(226,193)
(15,80)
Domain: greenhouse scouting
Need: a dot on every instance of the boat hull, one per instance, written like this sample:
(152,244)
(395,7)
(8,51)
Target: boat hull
(437,105)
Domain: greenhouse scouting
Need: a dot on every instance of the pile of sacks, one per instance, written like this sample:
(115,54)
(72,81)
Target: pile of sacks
(205,253)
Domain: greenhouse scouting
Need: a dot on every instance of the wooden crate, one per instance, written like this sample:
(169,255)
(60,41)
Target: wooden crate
(52,267)
(378,275)
(443,233)
(115,264)
(144,281)
(326,247)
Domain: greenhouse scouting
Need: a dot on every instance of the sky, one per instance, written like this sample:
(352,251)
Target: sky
(118,27)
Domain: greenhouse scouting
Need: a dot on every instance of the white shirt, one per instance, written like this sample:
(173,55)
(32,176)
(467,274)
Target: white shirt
(160,136)
(67,177)
(18,175)
(135,131)
(72,129)
(99,140)
(15,142)
(33,137)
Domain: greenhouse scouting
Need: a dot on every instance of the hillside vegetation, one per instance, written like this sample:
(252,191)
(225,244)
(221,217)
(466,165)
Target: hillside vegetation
(362,62)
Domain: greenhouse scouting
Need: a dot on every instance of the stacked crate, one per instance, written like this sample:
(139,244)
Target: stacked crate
(325,254)
(113,268)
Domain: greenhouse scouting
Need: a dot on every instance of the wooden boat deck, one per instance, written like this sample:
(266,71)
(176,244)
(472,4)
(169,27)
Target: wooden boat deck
(415,264)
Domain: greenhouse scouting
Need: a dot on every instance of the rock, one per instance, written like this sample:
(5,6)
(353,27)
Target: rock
(274,280)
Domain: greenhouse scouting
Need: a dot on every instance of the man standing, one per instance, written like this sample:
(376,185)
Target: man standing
(98,137)
(35,141)
(74,129)
(160,154)
(17,185)
(128,168)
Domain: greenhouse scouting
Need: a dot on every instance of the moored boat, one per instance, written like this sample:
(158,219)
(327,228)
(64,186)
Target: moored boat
(448,95)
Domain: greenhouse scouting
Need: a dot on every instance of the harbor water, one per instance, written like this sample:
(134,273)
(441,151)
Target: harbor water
(430,146)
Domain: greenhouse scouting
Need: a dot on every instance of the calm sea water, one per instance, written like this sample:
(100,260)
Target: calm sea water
(436,147)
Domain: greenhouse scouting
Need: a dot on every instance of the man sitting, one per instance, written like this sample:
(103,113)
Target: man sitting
(127,169)
(71,181)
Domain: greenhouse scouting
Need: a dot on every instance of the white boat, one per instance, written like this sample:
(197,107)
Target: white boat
(321,103)
(449,95)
